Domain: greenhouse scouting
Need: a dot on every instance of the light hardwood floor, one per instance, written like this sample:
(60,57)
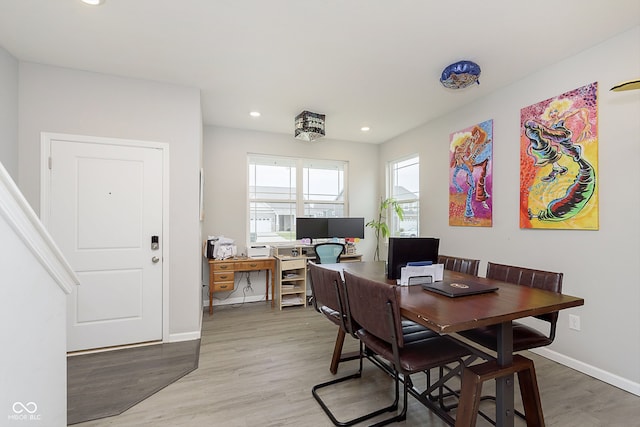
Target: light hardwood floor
(257,367)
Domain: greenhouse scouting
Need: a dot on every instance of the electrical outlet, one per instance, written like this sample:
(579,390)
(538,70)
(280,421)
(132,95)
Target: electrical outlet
(574,322)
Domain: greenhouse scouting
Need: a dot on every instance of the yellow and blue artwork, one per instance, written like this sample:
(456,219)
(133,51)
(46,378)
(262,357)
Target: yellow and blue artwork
(470,176)
(559,161)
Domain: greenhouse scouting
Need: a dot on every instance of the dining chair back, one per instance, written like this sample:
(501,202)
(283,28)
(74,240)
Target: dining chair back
(375,307)
(524,337)
(328,253)
(462,265)
(540,279)
(327,290)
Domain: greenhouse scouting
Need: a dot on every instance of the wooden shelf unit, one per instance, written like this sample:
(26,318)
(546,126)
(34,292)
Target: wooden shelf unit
(292,281)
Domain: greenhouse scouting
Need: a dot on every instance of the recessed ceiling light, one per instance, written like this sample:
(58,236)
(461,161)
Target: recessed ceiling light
(365,128)
(93,2)
(255,114)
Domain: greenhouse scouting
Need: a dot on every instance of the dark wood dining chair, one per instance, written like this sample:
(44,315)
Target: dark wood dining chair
(327,289)
(467,266)
(375,308)
(462,265)
(524,336)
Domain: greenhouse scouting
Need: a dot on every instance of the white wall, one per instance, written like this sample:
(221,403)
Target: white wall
(34,358)
(600,266)
(225,166)
(35,282)
(53,99)
(9,113)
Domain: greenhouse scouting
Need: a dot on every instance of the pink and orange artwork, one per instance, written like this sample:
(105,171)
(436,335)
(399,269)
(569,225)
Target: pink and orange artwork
(470,176)
(559,161)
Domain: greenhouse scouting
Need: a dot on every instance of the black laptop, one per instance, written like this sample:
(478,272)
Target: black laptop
(458,289)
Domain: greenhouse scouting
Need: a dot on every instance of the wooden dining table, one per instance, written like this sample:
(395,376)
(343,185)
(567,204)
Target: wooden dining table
(448,315)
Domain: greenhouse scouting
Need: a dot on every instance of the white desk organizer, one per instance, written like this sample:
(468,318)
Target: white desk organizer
(436,271)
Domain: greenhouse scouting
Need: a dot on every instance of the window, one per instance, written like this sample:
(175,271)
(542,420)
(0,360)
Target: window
(283,188)
(405,189)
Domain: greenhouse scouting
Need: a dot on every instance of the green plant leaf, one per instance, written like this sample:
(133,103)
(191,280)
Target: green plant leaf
(380,226)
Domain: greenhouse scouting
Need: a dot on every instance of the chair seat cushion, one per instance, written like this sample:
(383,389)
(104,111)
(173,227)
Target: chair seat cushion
(413,331)
(418,355)
(524,337)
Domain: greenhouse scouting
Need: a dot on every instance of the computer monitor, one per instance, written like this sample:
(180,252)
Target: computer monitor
(410,249)
(345,228)
(311,228)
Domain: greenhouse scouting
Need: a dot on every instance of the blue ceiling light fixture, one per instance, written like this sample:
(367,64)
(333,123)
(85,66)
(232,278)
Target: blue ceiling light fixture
(460,75)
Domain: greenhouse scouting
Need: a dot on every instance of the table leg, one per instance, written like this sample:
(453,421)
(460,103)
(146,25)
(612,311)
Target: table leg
(504,385)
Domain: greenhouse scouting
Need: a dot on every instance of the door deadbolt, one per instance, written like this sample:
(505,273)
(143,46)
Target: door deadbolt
(154,243)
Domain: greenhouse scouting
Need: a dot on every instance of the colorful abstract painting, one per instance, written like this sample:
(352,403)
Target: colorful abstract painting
(470,176)
(559,161)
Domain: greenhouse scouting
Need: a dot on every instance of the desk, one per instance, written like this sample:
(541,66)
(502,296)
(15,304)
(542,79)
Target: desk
(307,251)
(449,315)
(221,274)
(350,257)
(343,258)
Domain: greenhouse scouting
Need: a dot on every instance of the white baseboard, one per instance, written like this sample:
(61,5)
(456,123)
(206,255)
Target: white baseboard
(600,374)
(184,336)
(234,300)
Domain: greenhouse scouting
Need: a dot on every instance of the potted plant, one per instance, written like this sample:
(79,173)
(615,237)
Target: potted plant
(380,225)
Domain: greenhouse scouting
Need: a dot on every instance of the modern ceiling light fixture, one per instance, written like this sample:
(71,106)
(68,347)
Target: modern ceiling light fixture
(309,126)
(628,85)
(255,114)
(93,2)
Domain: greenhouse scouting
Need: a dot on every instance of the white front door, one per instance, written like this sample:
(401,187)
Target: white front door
(105,209)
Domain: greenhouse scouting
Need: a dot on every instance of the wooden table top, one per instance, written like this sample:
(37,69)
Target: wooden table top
(447,315)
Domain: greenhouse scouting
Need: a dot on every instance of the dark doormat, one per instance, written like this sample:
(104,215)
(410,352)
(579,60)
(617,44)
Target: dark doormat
(105,384)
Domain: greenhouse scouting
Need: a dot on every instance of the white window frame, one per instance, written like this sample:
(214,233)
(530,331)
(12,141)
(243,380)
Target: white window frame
(300,200)
(395,228)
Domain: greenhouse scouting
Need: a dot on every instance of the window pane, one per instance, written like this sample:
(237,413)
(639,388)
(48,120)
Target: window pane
(405,178)
(323,184)
(324,210)
(405,188)
(272,182)
(271,222)
(408,227)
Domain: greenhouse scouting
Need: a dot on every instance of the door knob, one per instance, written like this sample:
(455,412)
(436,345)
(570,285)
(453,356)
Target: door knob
(155,259)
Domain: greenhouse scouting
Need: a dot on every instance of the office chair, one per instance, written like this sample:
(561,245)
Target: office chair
(375,308)
(462,265)
(328,253)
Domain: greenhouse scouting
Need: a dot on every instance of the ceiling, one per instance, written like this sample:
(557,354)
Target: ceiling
(370,63)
